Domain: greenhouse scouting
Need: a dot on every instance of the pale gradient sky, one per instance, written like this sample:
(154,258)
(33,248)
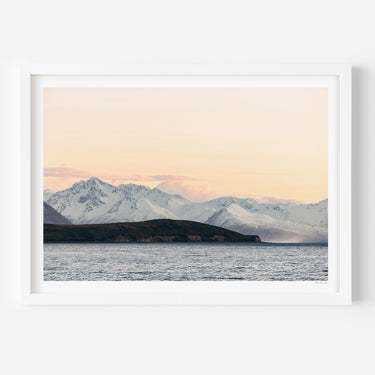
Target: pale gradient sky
(200,142)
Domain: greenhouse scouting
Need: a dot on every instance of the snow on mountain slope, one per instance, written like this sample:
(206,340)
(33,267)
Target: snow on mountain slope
(270,229)
(47,194)
(277,222)
(313,214)
(95,201)
(310,214)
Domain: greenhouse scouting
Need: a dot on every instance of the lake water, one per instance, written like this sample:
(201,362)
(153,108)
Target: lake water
(182,262)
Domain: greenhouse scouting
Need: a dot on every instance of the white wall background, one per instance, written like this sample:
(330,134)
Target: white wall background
(189,340)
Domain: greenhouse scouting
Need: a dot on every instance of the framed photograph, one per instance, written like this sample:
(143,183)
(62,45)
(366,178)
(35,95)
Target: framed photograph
(186,184)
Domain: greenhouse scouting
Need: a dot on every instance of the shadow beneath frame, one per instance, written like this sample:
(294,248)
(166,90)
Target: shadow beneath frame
(358,170)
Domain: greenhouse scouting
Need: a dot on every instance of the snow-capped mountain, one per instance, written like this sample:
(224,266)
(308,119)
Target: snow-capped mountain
(95,201)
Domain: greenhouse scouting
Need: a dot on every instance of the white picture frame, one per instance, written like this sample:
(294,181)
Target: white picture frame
(337,291)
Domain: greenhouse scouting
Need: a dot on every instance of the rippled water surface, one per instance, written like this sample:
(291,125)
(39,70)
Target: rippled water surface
(167,261)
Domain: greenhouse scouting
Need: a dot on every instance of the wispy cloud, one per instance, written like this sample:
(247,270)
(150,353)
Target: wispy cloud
(65,172)
(170,177)
(192,189)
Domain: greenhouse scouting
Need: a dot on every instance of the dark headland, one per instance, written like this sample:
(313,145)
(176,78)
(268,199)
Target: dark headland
(160,230)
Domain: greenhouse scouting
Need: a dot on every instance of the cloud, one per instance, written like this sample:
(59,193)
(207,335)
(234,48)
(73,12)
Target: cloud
(194,190)
(65,172)
(170,177)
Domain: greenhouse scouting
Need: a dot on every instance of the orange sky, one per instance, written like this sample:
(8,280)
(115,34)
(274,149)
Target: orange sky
(199,142)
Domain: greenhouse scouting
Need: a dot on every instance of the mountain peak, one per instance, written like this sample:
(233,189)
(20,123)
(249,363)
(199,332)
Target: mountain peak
(95,179)
(92,181)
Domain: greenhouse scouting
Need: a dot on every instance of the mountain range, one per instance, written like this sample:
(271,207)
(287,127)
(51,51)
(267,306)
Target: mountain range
(93,201)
